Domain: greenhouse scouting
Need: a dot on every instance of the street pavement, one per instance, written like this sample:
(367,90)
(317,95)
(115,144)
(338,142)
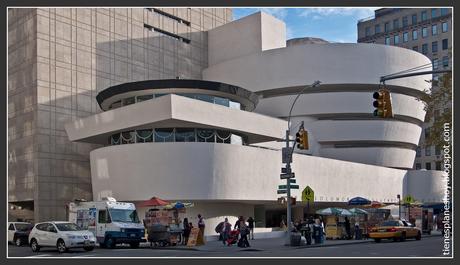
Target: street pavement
(429,246)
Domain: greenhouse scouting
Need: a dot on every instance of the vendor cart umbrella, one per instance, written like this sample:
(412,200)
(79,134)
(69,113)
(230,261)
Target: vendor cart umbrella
(374,204)
(358,201)
(333,211)
(154,201)
(357,211)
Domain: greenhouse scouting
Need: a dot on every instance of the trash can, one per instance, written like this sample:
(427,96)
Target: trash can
(295,238)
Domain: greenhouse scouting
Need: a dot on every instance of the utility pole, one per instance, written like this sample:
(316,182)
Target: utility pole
(287,158)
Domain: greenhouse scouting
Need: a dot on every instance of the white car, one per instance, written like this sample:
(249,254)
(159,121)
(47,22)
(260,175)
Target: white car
(62,235)
(18,232)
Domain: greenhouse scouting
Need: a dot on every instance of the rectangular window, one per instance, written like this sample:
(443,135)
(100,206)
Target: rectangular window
(428,151)
(424,16)
(418,152)
(377,28)
(395,24)
(434,29)
(387,26)
(425,48)
(434,46)
(415,48)
(437,150)
(427,133)
(418,166)
(387,40)
(445,61)
(444,27)
(405,36)
(414,34)
(428,165)
(396,39)
(424,32)
(434,12)
(405,21)
(435,63)
(444,44)
(438,165)
(103,217)
(368,31)
(444,11)
(414,19)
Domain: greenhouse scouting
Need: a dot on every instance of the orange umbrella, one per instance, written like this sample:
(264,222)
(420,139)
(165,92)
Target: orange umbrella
(374,204)
(154,201)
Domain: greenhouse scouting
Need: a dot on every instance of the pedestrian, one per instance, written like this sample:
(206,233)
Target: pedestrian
(226,227)
(201,225)
(186,231)
(251,227)
(244,231)
(283,225)
(347,227)
(357,230)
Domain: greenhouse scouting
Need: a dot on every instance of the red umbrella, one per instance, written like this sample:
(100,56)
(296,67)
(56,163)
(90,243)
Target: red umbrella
(154,201)
(374,204)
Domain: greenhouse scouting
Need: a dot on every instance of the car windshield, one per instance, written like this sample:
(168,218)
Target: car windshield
(390,223)
(23,227)
(123,215)
(68,227)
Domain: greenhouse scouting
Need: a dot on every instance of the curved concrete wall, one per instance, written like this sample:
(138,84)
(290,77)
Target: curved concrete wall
(426,185)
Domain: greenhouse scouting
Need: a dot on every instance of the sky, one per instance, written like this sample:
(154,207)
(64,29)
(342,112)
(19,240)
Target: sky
(331,24)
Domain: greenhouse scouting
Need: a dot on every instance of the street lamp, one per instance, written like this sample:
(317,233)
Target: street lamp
(288,164)
(399,205)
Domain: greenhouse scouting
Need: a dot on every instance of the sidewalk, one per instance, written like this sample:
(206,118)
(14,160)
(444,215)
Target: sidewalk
(270,244)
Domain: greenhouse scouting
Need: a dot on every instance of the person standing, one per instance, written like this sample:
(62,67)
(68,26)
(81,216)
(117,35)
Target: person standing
(347,227)
(187,229)
(357,230)
(201,226)
(225,230)
(251,227)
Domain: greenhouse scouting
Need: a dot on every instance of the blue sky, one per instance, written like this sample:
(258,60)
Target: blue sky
(331,24)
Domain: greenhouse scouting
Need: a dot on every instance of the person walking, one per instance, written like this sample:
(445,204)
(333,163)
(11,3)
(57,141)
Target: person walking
(347,227)
(244,231)
(251,227)
(186,231)
(357,230)
(225,230)
(201,226)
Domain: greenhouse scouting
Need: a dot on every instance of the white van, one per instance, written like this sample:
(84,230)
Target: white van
(111,222)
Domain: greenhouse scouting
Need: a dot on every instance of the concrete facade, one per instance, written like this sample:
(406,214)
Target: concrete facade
(437,45)
(58,61)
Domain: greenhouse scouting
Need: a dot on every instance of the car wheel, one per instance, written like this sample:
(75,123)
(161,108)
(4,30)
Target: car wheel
(61,246)
(34,245)
(109,242)
(18,241)
(419,236)
(403,237)
(88,248)
(377,240)
(134,245)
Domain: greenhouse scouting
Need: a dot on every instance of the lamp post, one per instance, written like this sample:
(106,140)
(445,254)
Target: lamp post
(288,164)
(399,205)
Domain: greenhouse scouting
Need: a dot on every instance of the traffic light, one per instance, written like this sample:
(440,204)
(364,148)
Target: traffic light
(382,104)
(302,139)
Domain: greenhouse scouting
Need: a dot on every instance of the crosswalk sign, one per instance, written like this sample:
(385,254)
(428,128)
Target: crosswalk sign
(308,195)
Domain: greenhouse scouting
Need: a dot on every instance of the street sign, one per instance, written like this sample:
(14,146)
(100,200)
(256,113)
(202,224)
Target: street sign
(287,176)
(292,181)
(282,191)
(282,187)
(295,187)
(308,194)
(409,199)
(287,154)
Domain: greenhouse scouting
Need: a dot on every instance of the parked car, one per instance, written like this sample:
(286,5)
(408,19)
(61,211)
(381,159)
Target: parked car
(18,232)
(396,230)
(62,235)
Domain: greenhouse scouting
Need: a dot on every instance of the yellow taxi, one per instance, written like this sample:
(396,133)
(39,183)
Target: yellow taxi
(396,230)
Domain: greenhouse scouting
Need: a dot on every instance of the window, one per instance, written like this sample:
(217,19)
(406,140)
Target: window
(415,48)
(143,98)
(405,36)
(435,63)
(425,48)
(51,228)
(368,31)
(418,152)
(438,165)
(444,11)
(434,46)
(396,39)
(414,34)
(424,32)
(424,16)
(434,29)
(414,19)
(42,227)
(395,24)
(445,61)
(387,26)
(428,166)
(205,135)
(185,135)
(387,40)
(444,27)
(444,44)
(437,150)
(144,136)
(427,133)
(377,28)
(11,227)
(129,101)
(434,12)
(103,217)
(428,151)
(164,135)
(418,166)
(405,21)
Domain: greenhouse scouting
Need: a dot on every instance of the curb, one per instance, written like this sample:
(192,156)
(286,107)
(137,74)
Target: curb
(334,244)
